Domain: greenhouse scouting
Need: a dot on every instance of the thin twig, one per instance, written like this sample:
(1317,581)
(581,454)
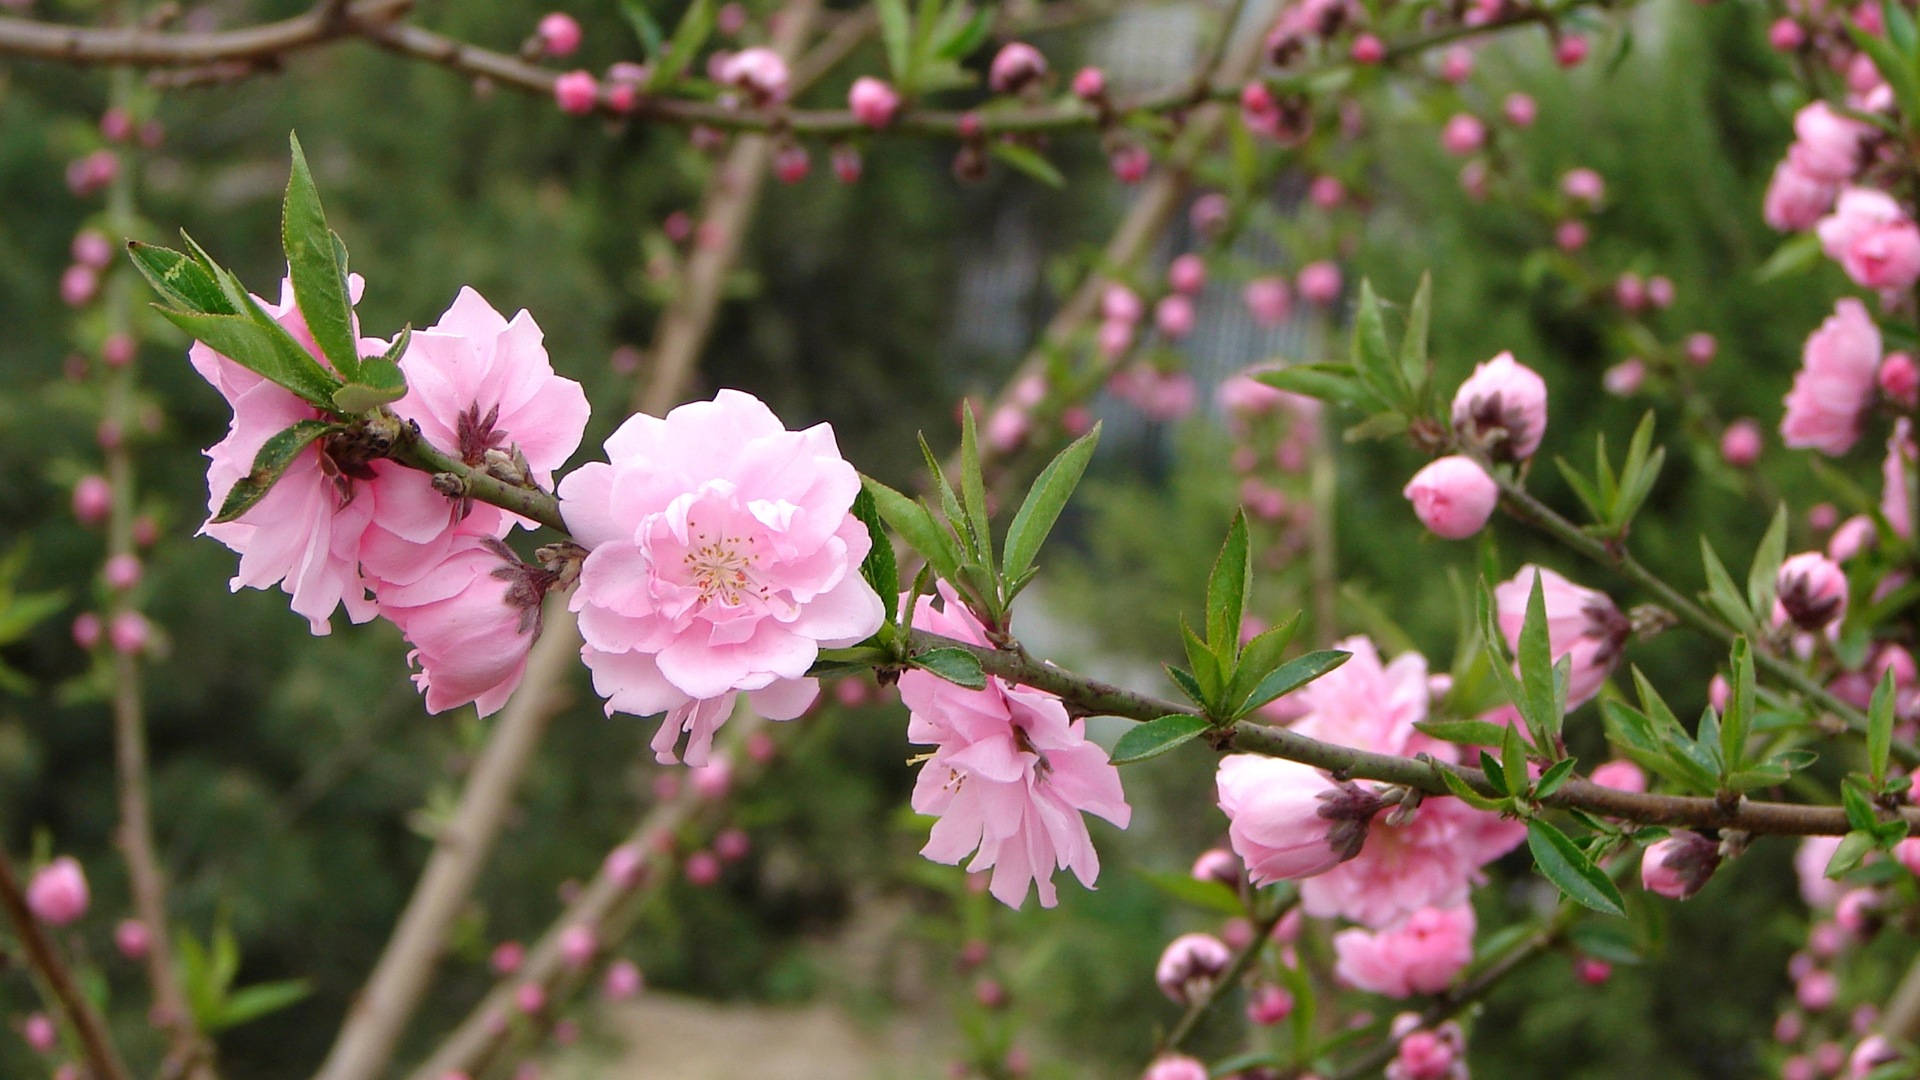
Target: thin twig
(102,1059)
(1242,960)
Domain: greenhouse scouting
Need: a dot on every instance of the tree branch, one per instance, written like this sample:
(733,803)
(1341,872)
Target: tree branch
(1242,960)
(102,1059)
(135,46)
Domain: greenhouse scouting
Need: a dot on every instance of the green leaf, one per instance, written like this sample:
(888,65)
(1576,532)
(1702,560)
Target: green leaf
(916,526)
(1029,161)
(265,349)
(269,464)
(1796,255)
(1880,728)
(960,43)
(1766,564)
(1291,676)
(1550,780)
(652,38)
(878,567)
(1044,501)
(957,666)
(688,37)
(1327,382)
(179,279)
(1900,30)
(1561,861)
(1227,588)
(1721,592)
(381,382)
(1372,357)
(1156,737)
(1462,791)
(1536,667)
(1466,732)
(1853,847)
(1738,720)
(1188,685)
(253,1002)
(1209,894)
(1413,346)
(896,33)
(1260,658)
(1496,772)
(317,263)
(973,489)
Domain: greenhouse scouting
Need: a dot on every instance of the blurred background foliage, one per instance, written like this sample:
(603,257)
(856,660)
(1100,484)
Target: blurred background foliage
(294,775)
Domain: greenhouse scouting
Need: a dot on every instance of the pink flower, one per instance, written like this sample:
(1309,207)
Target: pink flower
(1827,146)
(1010,774)
(1014,67)
(1680,865)
(759,71)
(1367,705)
(1319,283)
(1621,775)
(1190,965)
(1439,1054)
(722,557)
(1584,185)
(1187,274)
(1570,50)
(1368,50)
(129,633)
(1811,591)
(1899,379)
(1873,1052)
(471,619)
(78,284)
(58,893)
(1740,444)
(576,92)
(873,101)
(1896,471)
(507,957)
(1173,315)
(578,944)
(1624,378)
(1463,134)
(1119,304)
(1810,864)
(1456,65)
(1175,1067)
(1873,240)
(1223,866)
(1582,623)
(1817,990)
(1796,201)
(133,939)
(40,1033)
(1835,384)
(1269,300)
(1453,496)
(93,499)
(559,33)
(1421,956)
(623,980)
(1269,1005)
(92,248)
(1287,820)
(122,572)
(1090,84)
(1502,407)
(1520,110)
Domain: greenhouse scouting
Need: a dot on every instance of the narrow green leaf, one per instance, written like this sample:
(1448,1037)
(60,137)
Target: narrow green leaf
(916,526)
(1738,720)
(973,488)
(1536,664)
(1156,737)
(1766,564)
(1210,895)
(1291,676)
(688,37)
(1496,773)
(269,464)
(1327,382)
(896,34)
(316,262)
(254,1002)
(1880,728)
(878,568)
(1206,666)
(180,280)
(1513,760)
(653,40)
(1464,793)
(1721,592)
(1051,489)
(1853,847)
(960,43)
(1030,161)
(1465,732)
(381,382)
(1188,685)
(1227,588)
(957,666)
(1596,504)
(265,349)
(1797,254)
(1259,659)
(1371,355)
(1562,862)
(1413,346)
(1551,779)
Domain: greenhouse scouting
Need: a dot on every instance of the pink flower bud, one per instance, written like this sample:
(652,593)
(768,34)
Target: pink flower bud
(990,994)
(116,125)
(78,284)
(1624,378)
(731,19)
(1520,110)
(121,573)
(1288,820)
(1570,50)
(1718,692)
(1786,35)
(1090,84)
(1269,1005)
(1798,1067)
(1740,444)
(1701,348)
(576,92)
(1237,933)
(578,946)
(118,350)
(873,102)
(530,998)
(1679,866)
(1811,591)
(1130,162)
(129,632)
(702,868)
(1473,180)
(58,893)
(791,163)
(87,630)
(1873,1053)
(1456,65)
(1789,1027)
(1114,339)
(1822,517)
(1453,497)
(1076,420)
(1007,429)
(41,1034)
(759,71)
(1173,316)
(1584,185)
(1269,300)
(1208,213)
(732,845)
(559,33)
(1017,66)
(1190,965)
(1660,291)
(1630,292)
(1120,304)
(1218,864)
(1592,971)
(1502,408)
(623,981)
(133,939)
(507,957)
(1424,1055)
(1368,50)
(1857,913)
(1319,283)
(1187,274)
(1326,192)
(1621,775)
(1463,134)
(1829,1057)
(1175,1067)
(1817,990)
(625,866)
(1570,236)
(712,780)
(92,499)
(92,248)
(1900,380)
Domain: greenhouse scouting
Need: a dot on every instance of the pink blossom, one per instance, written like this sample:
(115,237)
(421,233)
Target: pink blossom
(92,499)
(1570,236)
(129,633)
(1740,444)
(1007,428)
(1319,283)
(1581,623)
(1190,965)
(87,630)
(559,33)
(1835,383)
(1817,990)
(1463,134)
(1269,1005)
(1502,407)
(1811,591)
(1221,865)
(873,102)
(1570,50)
(1899,380)
(1173,316)
(1090,84)
(1592,971)
(1130,162)
(732,845)
(1660,291)
(1896,474)
(1368,50)
(118,350)
(1624,378)
(1456,65)
(1680,865)
(623,980)
(1014,67)
(1175,1067)
(1287,820)
(1584,185)
(1810,864)
(40,1033)
(1187,274)
(471,619)
(1421,956)
(722,557)
(576,92)
(1208,213)
(791,163)
(1520,110)
(78,284)
(1119,304)
(1827,146)
(1786,35)
(1621,775)
(122,572)
(759,71)
(1796,201)
(847,163)
(133,939)
(1269,300)
(1010,774)
(578,944)
(1873,240)
(1453,496)
(1439,1054)
(58,894)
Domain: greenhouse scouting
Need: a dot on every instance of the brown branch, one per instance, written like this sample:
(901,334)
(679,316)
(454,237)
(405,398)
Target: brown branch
(102,1059)
(141,47)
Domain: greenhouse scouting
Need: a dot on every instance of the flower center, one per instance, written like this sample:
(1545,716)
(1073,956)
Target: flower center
(720,567)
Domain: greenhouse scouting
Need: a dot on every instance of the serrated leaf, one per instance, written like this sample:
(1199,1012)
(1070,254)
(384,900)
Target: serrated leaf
(316,263)
(1293,675)
(1041,509)
(916,526)
(973,489)
(878,568)
(1536,666)
(1260,658)
(269,465)
(1738,721)
(957,666)
(1561,861)
(381,382)
(1227,589)
(1496,773)
(1465,793)
(1465,732)
(1156,737)
(179,279)
(1029,161)
(262,347)
(1767,558)
(1188,685)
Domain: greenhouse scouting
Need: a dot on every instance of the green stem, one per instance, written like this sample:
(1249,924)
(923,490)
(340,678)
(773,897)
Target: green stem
(1242,960)
(411,449)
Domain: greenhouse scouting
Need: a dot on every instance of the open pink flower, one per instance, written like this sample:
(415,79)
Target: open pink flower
(722,557)
(1010,775)
(1420,956)
(1287,820)
(471,621)
(1835,384)
(1581,622)
(1796,201)
(1827,146)
(1873,240)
